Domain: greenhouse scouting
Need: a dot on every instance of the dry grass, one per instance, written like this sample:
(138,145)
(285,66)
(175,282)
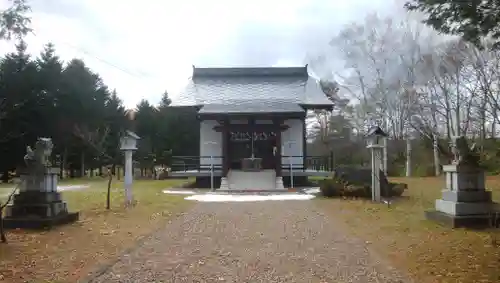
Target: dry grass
(429,252)
(69,252)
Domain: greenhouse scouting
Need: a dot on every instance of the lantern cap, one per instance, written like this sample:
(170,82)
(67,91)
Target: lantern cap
(132,135)
(376,131)
(129,141)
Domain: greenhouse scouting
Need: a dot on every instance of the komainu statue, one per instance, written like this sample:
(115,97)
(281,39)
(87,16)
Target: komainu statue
(39,157)
(463,154)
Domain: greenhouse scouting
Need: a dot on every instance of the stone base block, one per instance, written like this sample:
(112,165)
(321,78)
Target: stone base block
(224,185)
(469,221)
(279,183)
(36,197)
(40,222)
(463,178)
(467,196)
(41,210)
(463,208)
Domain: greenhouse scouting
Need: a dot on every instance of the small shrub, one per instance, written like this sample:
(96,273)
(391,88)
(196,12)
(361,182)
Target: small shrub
(331,187)
(397,189)
(357,191)
(337,187)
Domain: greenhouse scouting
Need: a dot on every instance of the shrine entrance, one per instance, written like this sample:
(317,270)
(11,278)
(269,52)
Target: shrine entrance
(252,142)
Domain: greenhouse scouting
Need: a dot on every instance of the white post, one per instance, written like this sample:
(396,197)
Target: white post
(211,165)
(128,177)
(408,157)
(211,172)
(291,172)
(384,152)
(376,154)
(289,143)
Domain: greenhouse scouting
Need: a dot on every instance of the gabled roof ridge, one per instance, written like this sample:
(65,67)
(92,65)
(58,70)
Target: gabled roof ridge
(208,72)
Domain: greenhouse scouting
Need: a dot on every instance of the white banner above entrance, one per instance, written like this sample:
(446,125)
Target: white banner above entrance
(248,136)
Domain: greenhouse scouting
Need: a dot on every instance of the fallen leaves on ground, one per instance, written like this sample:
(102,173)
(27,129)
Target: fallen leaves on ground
(427,251)
(69,252)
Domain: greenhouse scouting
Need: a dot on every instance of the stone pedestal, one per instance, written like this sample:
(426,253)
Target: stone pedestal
(38,204)
(465,201)
(224,185)
(279,183)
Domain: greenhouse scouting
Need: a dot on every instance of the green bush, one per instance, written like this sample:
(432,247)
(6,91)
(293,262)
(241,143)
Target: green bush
(336,187)
(397,189)
(331,187)
(357,191)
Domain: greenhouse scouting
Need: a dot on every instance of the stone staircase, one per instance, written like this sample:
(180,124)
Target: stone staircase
(264,180)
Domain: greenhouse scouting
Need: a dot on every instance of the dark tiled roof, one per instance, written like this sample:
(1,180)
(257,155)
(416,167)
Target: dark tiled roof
(223,86)
(299,72)
(252,106)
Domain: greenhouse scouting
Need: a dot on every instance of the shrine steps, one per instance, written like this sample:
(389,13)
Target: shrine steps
(264,180)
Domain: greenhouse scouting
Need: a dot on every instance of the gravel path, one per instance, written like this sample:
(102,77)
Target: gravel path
(273,241)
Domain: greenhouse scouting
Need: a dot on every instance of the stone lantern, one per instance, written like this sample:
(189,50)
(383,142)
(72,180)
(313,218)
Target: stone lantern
(375,142)
(375,137)
(128,143)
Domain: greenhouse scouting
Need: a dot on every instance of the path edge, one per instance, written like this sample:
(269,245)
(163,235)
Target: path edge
(102,268)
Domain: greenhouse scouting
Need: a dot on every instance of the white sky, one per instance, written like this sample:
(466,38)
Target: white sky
(143,48)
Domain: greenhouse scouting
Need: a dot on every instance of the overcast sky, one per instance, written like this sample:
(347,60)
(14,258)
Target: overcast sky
(143,48)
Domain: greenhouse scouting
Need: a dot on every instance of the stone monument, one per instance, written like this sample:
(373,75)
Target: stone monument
(38,204)
(465,202)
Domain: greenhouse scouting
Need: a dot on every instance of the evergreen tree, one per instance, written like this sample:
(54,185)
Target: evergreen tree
(474,20)
(14,23)
(19,104)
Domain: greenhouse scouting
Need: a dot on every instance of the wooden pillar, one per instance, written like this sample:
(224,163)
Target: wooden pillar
(225,147)
(277,155)
(304,144)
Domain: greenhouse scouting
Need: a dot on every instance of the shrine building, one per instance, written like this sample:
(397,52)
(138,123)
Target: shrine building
(252,126)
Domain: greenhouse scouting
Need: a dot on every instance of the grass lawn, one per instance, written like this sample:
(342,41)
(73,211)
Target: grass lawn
(6,189)
(69,252)
(427,251)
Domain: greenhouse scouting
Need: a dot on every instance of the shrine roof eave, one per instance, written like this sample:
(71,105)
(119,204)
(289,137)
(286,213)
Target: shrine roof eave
(260,115)
(328,107)
(306,107)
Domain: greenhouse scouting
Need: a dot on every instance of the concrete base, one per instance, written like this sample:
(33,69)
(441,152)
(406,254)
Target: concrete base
(466,196)
(40,222)
(224,184)
(37,210)
(463,208)
(253,192)
(469,221)
(263,180)
(279,183)
(463,178)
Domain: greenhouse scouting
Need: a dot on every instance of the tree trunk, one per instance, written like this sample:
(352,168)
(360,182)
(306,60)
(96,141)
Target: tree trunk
(385,155)
(3,238)
(5,176)
(108,194)
(82,165)
(435,151)
(408,158)
(64,163)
